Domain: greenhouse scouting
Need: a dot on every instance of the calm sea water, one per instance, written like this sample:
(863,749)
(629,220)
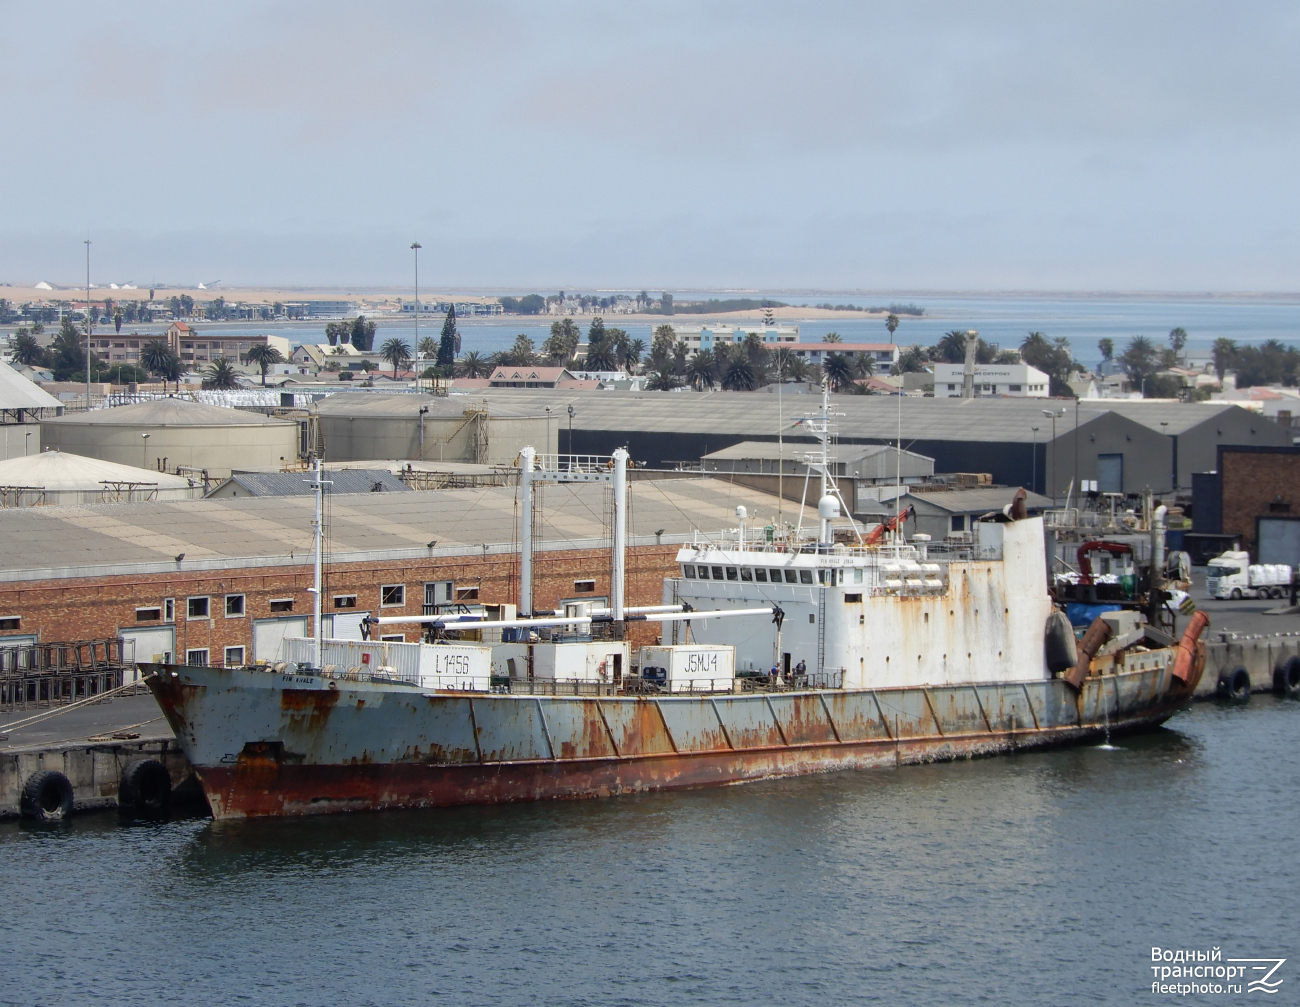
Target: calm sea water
(1000,319)
(1040,878)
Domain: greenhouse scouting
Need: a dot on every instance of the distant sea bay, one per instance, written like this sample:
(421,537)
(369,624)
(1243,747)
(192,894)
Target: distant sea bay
(1001,319)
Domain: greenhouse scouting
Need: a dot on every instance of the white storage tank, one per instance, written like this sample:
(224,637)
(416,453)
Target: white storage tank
(690,667)
(581,661)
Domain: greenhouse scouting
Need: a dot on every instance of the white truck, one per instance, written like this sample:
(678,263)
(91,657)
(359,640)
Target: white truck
(1232,575)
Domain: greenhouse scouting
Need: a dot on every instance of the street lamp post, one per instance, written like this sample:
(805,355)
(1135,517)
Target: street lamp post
(415,247)
(87,325)
(1033,478)
(1052,414)
(144,452)
(548,430)
(570,429)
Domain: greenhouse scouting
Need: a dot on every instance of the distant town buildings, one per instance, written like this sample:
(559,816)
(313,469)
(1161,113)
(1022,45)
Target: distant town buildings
(196,349)
(1013,380)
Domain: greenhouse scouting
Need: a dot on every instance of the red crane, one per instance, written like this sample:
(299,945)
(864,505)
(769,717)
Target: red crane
(877,533)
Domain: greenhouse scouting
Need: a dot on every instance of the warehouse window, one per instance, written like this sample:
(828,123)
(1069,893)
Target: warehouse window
(958,522)
(197,658)
(584,587)
(11,622)
(467,594)
(394,638)
(345,601)
(234,606)
(281,604)
(234,657)
(148,614)
(392,595)
(169,610)
(197,608)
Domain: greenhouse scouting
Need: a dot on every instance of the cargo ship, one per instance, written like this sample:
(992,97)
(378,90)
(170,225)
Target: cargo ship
(783,653)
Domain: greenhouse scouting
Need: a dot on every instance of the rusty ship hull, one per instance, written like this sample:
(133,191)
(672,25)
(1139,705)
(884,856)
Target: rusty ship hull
(266,744)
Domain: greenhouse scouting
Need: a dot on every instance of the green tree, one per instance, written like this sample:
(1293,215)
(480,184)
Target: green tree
(635,351)
(473,365)
(118,314)
(891,323)
(912,360)
(363,333)
(1269,363)
(66,357)
(26,349)
(336,331)
(1107,348)
(521,353)
(158,359)
(263,355)
(428,347)
(602,353)
(397,353)
(1224,354)
(701,373)
(1007,357)
(663,380)
(666,303)
(832,337)
(838,371)
(447,344)
(1139,361)
(220,375)
(864,365)
(563,342)
(1053,358)
(951,347)
(740,374)
(1177,342)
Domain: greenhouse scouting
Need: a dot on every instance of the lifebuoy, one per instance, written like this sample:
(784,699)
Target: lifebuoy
(145,788)
(1286,678)
(47,796)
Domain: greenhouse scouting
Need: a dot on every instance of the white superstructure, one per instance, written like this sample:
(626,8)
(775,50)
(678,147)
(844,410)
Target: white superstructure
(1010,380)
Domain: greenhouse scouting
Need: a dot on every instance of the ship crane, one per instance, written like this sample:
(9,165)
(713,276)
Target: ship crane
(877,533)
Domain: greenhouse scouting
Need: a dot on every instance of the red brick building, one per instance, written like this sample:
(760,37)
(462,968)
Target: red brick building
(223,581)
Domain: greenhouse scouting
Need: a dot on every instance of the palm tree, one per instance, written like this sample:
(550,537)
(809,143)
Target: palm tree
(155,356)
(702,370)
(864,365)
(601,354)
(740,375)
(1224,353)
(951,348)
(635,351)
(912,360)
(663,380)
(220,375)
(428,348)
(473,365)
(1139,361)
(1107,348)
(396,352)
(1177,341)
(26,350)
(263,356)
(832,337)
(891,323)
(838,371)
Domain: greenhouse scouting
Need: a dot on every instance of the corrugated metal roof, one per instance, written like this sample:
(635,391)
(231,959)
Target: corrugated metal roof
(407,406)
(972,501)
(221,534)
(169,413)
(771,450)
(16,392)
(865,417)
(287,484)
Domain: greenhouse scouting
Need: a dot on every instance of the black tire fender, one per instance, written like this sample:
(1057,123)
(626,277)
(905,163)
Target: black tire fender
(1286,678)
(145,788)
(1235,684)
(47,796)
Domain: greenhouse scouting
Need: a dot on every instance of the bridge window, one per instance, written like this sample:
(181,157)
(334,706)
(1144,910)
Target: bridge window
(760,575)
(805,577)
(688,571)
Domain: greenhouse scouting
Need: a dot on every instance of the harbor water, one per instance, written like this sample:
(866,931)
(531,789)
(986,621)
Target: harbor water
(1046,877)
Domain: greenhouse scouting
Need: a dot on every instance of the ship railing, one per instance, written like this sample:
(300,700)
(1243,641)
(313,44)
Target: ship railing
(552,687)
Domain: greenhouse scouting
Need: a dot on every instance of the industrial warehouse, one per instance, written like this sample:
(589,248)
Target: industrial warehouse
(225,580)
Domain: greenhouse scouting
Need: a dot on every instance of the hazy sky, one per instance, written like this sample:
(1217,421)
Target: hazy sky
(855,145)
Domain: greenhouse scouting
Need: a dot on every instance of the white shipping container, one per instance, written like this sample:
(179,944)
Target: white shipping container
(692,667)
(431,666)
(581,661)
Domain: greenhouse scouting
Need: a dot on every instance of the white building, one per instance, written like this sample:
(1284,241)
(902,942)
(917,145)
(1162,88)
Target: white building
(706,337)
(883,355)
(1006,380)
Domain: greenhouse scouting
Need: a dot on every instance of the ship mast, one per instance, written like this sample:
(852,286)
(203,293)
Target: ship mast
(318,527)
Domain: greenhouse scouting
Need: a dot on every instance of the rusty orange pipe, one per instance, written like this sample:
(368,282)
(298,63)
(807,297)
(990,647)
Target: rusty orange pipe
(1186,659)
(1097,634)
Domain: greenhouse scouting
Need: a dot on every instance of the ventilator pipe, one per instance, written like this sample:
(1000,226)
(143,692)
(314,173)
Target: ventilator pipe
(620,533)
(527,458)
